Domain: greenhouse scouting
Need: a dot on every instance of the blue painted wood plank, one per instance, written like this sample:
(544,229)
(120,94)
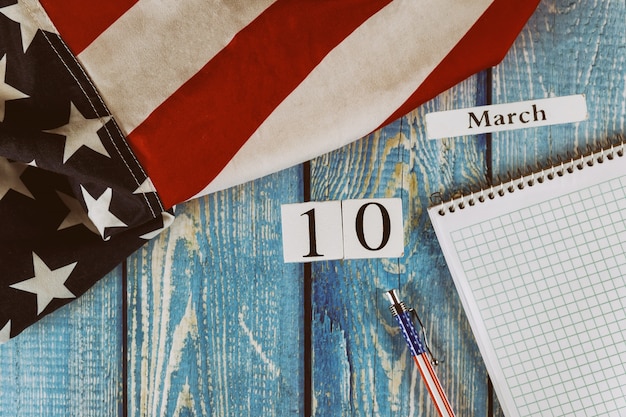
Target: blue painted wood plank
(69,364)
(567,48)
(215,316)
(361,363)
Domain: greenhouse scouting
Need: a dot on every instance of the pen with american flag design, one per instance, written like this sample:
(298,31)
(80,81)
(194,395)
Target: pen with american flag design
(419,351)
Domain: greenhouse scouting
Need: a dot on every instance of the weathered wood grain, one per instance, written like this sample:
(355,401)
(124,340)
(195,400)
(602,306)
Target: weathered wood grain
(361,365)
(566,48)
(69,363)
(215,316)
(215,322)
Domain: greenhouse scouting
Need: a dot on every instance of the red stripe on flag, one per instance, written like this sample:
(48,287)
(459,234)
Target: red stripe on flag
(187,140)
(486,43)
(80,22)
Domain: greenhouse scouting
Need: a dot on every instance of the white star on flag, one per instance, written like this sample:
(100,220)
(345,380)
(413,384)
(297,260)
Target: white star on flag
(77,214)
(5,333)
(79,132)
(28,25)
(98,211)
(47,284)
(10,173)
(6,91)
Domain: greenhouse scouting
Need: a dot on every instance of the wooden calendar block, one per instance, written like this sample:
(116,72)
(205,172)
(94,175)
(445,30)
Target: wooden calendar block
(312,231)
(373,228)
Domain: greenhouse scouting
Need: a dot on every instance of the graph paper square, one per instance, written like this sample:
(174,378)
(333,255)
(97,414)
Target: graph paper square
(549,288)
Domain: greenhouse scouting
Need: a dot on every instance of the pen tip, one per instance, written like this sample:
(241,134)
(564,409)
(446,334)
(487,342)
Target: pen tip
(392,296)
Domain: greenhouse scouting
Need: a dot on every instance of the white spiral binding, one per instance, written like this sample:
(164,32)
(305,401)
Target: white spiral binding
(533,178)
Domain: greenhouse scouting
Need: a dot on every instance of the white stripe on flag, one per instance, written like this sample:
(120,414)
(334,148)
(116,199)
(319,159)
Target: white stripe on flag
(392,54)
(432,384)
(148,53)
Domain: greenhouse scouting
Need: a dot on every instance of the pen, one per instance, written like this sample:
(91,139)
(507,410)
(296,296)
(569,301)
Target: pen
(419,351)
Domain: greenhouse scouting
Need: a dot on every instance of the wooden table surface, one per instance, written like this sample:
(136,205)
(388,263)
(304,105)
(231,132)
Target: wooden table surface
(207,319)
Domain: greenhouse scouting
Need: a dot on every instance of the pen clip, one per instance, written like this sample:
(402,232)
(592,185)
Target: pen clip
(434,361)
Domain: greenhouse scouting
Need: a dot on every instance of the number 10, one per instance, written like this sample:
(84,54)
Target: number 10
(348,229)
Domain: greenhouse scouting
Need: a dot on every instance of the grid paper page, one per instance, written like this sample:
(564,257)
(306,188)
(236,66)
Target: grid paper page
(549,284)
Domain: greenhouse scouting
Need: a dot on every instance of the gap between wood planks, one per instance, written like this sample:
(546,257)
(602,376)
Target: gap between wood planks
(307,307)
(486,79)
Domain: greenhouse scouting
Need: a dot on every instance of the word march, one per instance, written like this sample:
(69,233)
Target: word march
(507,116)
(504,119)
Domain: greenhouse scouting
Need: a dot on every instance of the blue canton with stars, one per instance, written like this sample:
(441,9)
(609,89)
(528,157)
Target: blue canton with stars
(74,202)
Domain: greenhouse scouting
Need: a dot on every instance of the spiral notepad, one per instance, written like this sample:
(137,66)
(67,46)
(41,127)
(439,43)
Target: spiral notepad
(539,262)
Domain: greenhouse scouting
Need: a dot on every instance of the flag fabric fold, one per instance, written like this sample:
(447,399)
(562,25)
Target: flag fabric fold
(74,201)
(112,113)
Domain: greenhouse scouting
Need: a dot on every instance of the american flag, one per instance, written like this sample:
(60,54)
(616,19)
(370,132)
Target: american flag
(113,112)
